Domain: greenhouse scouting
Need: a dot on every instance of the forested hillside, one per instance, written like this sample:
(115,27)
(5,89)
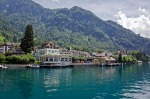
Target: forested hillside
(75,27)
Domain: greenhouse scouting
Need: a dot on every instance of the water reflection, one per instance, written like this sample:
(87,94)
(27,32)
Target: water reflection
(55,78)
(78,82)
(16,81)
(140,88)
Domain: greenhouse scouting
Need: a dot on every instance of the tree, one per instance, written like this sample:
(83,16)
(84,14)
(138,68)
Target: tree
(27,42)
(120,58)
(124,60)
(99,51)
(1,39)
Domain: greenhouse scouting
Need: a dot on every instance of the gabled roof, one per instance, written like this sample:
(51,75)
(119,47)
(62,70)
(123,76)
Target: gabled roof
(110,59)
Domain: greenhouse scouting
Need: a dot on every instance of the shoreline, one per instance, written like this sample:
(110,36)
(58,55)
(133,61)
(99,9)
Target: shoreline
(15,65)
(53,66)
(48,66)
(59,66)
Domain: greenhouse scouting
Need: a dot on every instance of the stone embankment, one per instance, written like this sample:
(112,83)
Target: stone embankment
(15,65)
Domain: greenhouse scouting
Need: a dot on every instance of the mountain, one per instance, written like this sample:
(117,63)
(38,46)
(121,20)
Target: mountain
(74,27)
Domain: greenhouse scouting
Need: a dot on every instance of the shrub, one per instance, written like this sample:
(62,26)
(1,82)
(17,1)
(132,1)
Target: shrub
(13,59)
(129,59)
(2,57)
(8,53)
(31,58)
(24,59)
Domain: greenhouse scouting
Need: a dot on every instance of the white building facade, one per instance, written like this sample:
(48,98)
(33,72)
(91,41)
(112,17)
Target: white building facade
(50,56)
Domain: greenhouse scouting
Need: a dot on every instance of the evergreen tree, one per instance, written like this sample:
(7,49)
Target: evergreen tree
(120,58)
(27,42)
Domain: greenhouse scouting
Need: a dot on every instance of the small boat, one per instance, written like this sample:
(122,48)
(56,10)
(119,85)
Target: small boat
(139,62)
(3,67)
(33,66)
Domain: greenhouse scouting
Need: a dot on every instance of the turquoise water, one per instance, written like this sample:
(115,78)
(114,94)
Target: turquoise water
(125,82)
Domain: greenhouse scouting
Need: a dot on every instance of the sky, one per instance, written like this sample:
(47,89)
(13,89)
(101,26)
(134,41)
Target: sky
(131,14)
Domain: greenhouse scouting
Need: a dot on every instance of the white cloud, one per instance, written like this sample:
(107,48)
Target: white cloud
(140,24)
(105,9)
(55,0)
(142,10)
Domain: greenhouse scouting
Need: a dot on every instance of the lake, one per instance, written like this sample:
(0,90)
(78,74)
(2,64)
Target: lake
(116,82)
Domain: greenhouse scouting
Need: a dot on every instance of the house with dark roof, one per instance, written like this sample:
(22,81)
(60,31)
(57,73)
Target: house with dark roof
(7,47)
(49,45)
(12,48)
(18,51)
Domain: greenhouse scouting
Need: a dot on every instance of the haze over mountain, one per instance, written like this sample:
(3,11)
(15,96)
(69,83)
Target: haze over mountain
(75,27)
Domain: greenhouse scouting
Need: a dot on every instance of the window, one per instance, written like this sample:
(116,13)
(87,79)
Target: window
(66,59)
(42,59)
(39,58)
(41,52)
(55,59)
(46,58)
(52,51)
(70,59)
(50,58)
(62,59)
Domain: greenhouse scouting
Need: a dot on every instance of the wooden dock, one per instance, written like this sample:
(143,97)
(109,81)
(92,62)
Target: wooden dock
(114,64)
(85,64)
(56,66)
(71,65)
